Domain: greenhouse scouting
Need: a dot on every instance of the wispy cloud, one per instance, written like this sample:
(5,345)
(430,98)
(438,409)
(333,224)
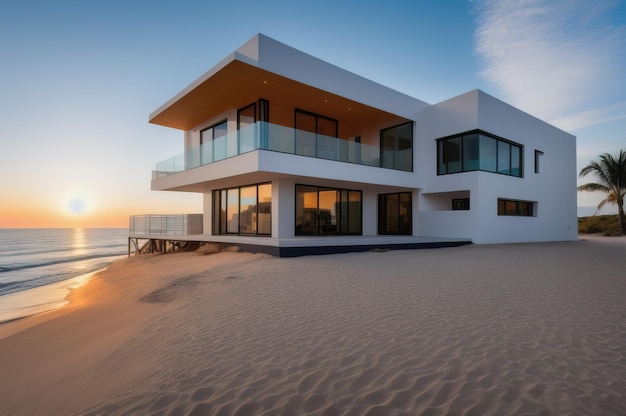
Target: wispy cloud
(561,60)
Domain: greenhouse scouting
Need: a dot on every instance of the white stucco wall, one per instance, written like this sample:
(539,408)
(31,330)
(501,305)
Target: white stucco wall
(554,188)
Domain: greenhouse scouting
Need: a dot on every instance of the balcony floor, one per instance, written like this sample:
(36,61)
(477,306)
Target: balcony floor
(314,245)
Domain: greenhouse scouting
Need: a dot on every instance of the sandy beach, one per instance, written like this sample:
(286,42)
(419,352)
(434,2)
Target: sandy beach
(524,329)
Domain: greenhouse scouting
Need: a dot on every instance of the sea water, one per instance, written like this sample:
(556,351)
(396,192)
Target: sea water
(39,266)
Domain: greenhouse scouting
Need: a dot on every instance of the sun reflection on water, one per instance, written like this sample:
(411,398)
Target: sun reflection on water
(79,245)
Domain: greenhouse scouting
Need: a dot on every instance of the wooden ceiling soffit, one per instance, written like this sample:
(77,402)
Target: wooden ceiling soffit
(239,84)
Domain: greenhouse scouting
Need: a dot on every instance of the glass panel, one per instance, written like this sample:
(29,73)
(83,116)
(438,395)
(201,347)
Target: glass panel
(488,146)
(344,216)
(452,155)
(216,212)
(248,210)
(388,145)
(327,217)
(441,164)
(220,130)
(264,117)
(354,213)
(265,209)
(504,158)
(326,127)
(223,217)
(327,147)
(327,143)
(404,220)
(306,210)
(206,146)
(516,161)
(246,117)
(220,150)
(510,208)
(471,153)
(404,155)
(391,210)
(233,211)
(305,134)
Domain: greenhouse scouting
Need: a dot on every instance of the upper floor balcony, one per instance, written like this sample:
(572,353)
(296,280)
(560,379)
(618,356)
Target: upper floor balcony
(393,153)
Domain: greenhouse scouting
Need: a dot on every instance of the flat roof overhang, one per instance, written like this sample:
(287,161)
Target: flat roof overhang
(237,84)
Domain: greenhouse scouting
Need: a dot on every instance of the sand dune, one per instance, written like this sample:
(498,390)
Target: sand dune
(531,329)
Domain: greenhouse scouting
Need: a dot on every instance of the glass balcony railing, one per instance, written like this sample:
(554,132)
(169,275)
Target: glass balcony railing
(165,224)
(266,136)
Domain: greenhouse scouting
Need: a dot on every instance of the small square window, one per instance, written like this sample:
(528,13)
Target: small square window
(460,204)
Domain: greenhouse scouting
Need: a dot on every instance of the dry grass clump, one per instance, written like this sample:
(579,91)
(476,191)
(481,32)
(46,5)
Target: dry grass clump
(607,225)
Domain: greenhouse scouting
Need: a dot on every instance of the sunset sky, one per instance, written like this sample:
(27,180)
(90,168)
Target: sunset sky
(79,78)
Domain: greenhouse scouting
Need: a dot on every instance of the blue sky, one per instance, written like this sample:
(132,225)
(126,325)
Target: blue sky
(79,79)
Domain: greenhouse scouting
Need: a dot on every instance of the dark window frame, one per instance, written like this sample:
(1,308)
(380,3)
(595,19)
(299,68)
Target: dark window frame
(538,157)
(441,145)
(460,204)
(242,109)
(217,198)
(520,208)
(339,220)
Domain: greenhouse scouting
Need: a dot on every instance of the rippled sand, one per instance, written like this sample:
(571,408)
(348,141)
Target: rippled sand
(536,329)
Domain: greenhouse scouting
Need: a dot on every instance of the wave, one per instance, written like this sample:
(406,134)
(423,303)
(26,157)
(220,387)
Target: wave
(5,269)
(11,252)
(14,286)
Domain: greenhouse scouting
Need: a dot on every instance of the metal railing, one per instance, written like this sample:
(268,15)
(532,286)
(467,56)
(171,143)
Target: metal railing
(165,224)
(267,136)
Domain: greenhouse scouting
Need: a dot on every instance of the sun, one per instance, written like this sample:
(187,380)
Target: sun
(77,205)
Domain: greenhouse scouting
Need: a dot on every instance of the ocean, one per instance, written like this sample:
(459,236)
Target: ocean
(37,263)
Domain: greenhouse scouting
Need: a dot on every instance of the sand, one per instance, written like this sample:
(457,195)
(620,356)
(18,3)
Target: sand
(528,329)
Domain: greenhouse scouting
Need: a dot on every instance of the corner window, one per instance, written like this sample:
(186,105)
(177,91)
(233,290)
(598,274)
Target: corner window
(478,150)
(245,210)
(396,147)
(516,208)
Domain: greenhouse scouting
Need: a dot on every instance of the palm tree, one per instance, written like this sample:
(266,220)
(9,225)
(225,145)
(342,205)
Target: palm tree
(611,175)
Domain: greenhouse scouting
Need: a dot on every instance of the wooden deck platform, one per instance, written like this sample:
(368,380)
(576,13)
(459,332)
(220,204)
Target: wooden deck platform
(288,247)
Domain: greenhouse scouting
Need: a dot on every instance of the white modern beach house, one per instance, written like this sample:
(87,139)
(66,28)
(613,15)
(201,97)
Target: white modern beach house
(296,156)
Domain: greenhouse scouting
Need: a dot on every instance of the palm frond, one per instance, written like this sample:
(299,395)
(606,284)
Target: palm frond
(594,187)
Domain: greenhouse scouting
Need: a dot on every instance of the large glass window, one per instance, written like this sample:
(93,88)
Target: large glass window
(395,213)
(246,210)
(396,147)
(327,211)
(478,150)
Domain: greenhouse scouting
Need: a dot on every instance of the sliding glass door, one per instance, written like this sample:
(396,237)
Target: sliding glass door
(395,214)
(327,211)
